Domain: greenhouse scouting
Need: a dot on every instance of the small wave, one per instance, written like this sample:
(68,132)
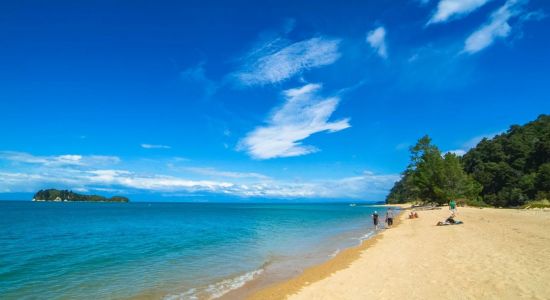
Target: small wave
(223,287)
(366,236)
(217,289)
(335,253)
(191,294)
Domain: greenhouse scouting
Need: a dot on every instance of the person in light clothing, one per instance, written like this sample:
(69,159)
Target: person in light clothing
(375,219)
(389,217)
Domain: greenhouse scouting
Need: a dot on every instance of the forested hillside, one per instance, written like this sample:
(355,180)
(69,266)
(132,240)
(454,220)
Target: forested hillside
(507,170)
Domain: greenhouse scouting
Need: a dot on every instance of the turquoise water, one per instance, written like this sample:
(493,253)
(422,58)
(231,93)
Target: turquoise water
(164,250)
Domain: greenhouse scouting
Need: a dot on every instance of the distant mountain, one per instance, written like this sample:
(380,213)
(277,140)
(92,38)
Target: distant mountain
(70,196)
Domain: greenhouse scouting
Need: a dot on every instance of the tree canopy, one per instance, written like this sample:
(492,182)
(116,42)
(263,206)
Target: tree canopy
(433,177)
(513,167)
(507,170)
(60,195)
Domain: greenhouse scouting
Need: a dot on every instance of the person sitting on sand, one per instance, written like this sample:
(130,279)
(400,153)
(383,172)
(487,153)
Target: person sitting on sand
(449,221)
(415,215)
(375,219)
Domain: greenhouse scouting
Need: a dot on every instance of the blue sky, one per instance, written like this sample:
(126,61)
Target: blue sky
(274,99)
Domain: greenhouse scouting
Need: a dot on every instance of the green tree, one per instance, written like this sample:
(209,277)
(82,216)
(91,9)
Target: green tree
(510,166)
(431,177)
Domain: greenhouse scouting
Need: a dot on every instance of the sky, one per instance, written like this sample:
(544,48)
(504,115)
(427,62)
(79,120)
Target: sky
(206,100)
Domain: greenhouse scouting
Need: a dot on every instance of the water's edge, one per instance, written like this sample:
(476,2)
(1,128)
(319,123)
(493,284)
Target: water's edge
(272,272)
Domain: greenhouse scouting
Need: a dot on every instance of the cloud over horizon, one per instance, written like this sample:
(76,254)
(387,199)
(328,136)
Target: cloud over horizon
(33,176)
(303,113)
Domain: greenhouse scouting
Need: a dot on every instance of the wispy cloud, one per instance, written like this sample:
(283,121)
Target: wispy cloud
(152,182)
(153,146)
(196,75)
(58,160)
(377,40)
(118,180)
(304,113)
(453,9)
(276,61)
(471,143)
(33,176)
(497,26)
(227,174)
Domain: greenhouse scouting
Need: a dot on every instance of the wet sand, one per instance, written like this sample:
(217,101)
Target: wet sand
(495,254)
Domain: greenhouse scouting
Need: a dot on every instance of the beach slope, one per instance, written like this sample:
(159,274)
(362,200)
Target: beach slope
(495,254)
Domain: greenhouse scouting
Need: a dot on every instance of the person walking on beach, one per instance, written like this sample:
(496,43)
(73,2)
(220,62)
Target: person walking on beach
(452,206)
(375,219)
(389,217)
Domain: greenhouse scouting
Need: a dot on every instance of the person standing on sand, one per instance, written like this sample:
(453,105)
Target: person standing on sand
(389,217)
(452,206)
(375,219)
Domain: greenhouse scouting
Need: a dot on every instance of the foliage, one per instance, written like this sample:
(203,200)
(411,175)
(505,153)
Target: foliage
(513,167)
(537,204)
(60,195)
(509,170)
(431,177)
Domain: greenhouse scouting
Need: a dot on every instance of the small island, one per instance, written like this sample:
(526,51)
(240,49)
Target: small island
(70,196)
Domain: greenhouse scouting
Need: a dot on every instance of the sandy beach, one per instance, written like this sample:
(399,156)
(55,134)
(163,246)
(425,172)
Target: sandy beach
(495,254)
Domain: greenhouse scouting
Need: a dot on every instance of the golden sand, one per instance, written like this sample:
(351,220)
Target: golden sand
(495,254)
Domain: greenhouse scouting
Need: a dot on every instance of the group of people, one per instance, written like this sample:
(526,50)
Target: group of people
(451,220)
(413,215)
(388,220)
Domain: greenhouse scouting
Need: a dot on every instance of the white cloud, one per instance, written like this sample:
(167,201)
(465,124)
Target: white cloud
(496,27)
(303,114)
(152,183)
(58,160)
(229,174)
(25,172)
(275,61)
(457,152)
(377,40)
(152,146)
(367,186)
(471,143)
(452,9)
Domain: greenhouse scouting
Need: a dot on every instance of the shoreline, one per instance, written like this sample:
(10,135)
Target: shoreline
(496,253)
(342,260)
(298,276)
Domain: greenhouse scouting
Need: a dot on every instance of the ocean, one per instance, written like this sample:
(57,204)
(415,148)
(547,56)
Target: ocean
(165,250)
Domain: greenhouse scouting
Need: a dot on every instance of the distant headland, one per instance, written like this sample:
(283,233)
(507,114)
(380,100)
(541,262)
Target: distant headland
(70,196)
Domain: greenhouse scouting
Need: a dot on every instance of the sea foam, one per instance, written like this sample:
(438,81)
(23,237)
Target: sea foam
(217,289)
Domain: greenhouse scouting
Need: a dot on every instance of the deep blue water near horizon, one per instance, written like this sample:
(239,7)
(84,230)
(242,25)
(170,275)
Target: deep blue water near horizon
(163,250)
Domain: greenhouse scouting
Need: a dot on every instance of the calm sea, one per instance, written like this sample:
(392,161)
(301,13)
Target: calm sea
(164,250)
